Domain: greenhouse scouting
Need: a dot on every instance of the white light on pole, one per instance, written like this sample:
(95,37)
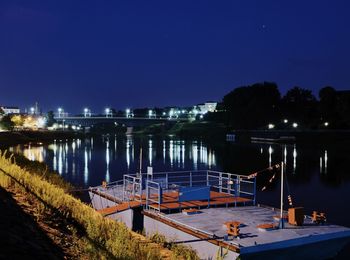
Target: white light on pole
(127,112)
(108,112)
(60,112)
(150,112)
(285,121)
(271,126)
(87,112)
(32,110)
(295,125)
(326,123)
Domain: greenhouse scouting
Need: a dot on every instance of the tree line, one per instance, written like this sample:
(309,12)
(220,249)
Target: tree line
(261,104)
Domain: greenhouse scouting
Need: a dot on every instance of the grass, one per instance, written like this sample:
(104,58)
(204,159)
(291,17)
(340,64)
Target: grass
(107,238)
(179,251)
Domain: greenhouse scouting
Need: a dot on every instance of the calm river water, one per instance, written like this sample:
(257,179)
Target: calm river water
(318,176)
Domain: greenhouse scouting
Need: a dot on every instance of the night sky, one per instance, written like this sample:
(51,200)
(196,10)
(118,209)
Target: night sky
(165,53)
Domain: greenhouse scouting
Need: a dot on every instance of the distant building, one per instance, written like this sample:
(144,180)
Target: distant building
(207,107)
(10,110)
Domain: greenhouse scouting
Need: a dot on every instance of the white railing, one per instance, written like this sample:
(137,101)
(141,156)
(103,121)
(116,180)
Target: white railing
(134,185)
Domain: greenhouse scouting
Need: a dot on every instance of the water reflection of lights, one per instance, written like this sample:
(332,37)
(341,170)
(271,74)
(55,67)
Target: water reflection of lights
(195,155)
(73,147)
(325,159)
(270,155)
(294,159)
(86,165)
(54,148)
(183,154)
(34,153)
(150,152)
(128,146)
(107,161)
(60,159)
(171,153)
(285,155)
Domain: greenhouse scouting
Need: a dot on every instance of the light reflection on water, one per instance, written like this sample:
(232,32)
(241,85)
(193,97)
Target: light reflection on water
(73,159)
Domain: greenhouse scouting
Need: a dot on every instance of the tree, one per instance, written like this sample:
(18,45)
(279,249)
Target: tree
(300,105)
(6,123)
(17,120)
(251,107)
(50,118)
(329,105)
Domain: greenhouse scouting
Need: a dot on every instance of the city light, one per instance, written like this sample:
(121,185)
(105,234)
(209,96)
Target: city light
(108,112)
(285,121)
(127,112)
(295,125)
(326,123)
(150,113)
(87,112)
(271,126)
(60,112)
(32,110)
(171,113)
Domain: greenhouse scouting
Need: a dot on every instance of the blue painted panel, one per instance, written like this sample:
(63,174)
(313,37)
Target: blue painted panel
(194,193)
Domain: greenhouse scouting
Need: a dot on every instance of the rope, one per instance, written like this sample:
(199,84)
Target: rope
(268,169)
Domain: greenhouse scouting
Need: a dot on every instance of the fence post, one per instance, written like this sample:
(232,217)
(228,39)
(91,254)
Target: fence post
(220,182)
(123,186)
(190,179)
(147,194)
(207,178)
(236,186)
(167,181)
(254,201)
(160,195)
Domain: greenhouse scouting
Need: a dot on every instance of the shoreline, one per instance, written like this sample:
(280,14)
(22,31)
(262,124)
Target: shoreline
(23,137)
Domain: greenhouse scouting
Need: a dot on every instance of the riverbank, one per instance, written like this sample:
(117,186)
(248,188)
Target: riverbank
(302,137)
(195,129)
(73,228)
(22,137)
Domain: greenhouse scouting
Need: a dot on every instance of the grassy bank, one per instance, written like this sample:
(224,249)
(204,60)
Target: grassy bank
(88,232)
(104,237)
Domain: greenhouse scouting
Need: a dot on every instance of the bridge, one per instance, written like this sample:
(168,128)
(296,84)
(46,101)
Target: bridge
(126,121)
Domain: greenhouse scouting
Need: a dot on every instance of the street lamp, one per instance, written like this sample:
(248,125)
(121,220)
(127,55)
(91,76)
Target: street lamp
(127,112)
(150,112)
(285,121)
(295,125)
(87,112)
(271,126)
(326,123)
(108,112)
(32,110)
(60,112)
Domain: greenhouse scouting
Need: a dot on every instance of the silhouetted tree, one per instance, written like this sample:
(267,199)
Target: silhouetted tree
(300,105)
(6,123)
(328,106)
(252,106)
(50,120)
(343,108)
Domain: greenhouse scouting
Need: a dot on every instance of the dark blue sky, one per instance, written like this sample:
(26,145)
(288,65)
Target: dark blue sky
(157,53)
